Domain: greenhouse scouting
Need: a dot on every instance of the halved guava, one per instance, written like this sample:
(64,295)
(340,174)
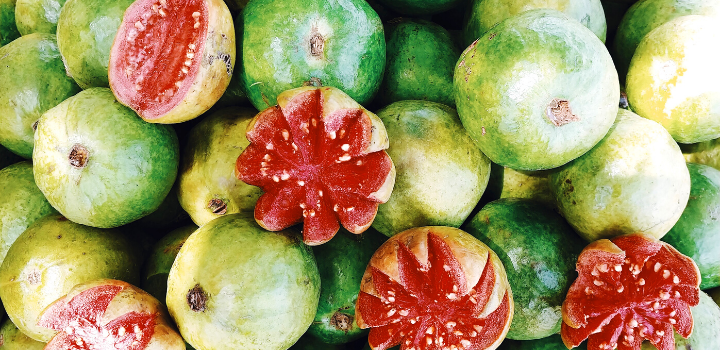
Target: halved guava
(172,59)
(319,156)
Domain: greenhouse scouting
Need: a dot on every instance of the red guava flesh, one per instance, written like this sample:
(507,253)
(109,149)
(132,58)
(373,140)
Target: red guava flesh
(80,327)
(629,289)
(318,162)
(157,53)
(426,309)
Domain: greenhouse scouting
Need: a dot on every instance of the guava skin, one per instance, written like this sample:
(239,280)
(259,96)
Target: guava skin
(287,43)
(440,174)
(50,258)
(85,33)
(22,203)
(539,251)
(527,184)
(484,14)
(695,233)
(37,16)
(634,180)
(234,285)
(421,58)
(34,81)
(644,16)
(157,266)
(536,91)
(707,153)
(706,328)
(8,29)
(95,175)
(341,263)
(208,187)
(12,339)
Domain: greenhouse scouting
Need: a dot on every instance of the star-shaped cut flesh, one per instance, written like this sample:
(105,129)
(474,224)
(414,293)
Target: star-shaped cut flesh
(80,323)
(630,289)
(430,307)
(318,163)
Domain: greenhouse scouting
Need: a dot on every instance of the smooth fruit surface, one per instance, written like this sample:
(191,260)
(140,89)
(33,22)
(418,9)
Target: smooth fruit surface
(536,91)
(441,174)
(670,78)
(50,258)
(8,30)
(634,180)
(13,339)
(235,285)
(22,203)
(484,14)
(86,30)
(208,187)
(435,286)
(287,43)
(539,251)
(695,233)
(95,175)
(172,60)
(37,16)
(319,156)
(158,264)
(527,184)
(34,80)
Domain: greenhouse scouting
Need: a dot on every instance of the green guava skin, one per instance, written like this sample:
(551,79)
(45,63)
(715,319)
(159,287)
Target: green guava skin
(706,328)
(421,59)
(506,83)
(157,266)
(13,339)
(8,29)
(130,168)
(37,16)
(167,216)
(342,262)
(277,54)
(440,173)
(33,81)
(485,14)
(671,75)
(553,342)
(634,180)
(22,203)
(420,7)
(539,251)
(52,256)
(695,234)
(527,184)
(207,174)
(644,16)
(85,33)
(260,289)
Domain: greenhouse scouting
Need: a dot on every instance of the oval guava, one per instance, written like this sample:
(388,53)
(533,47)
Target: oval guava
(37,16)
(157,266)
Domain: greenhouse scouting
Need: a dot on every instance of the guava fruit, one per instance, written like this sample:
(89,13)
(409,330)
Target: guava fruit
(634,180)
(707,153)
(533,185)
(8,29)
(421,58)
(706,328)
(100,165)
(52,256)
(440,173)
(37,16)
(341,263)
(172,60)
(485,14)
(435,286)
(86,30)
(539,251)
(319,156)
(234,285)
(207,185)
(644,16)
(157,266)
(671,74)
(12,339)
(109,314)
(287,43)
(695,233)
(22,203)
(536,91)
(34,81)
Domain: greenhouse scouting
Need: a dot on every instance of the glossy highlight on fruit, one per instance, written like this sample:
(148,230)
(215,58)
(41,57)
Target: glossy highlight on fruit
(319,156)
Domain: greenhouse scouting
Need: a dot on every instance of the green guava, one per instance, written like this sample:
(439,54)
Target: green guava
(37,16)
(12,339)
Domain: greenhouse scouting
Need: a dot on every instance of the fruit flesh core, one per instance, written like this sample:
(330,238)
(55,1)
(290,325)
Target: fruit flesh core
(158,54)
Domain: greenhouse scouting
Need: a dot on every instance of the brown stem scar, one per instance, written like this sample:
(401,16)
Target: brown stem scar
(560,113)
(78,156)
